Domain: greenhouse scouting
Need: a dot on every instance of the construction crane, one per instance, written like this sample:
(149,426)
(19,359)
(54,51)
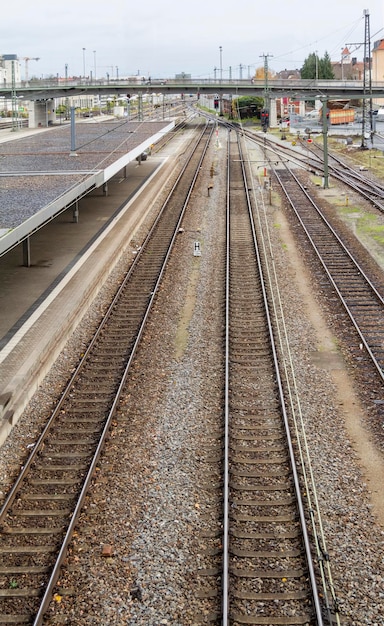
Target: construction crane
(27,59)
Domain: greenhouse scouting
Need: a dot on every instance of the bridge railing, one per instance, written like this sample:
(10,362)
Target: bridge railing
(124,82)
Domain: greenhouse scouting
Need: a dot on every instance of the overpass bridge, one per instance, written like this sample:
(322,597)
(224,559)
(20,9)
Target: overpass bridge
(297,89)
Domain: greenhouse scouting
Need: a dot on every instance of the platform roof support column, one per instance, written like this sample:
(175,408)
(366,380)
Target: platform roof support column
(75,214)
(73,133)
(27,252)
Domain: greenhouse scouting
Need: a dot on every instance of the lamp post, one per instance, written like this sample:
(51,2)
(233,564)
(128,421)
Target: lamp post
(221,63)
(83,62)
(342,66)
(94,64)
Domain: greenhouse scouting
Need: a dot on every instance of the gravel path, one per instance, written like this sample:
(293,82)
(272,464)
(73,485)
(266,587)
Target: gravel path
(146,500)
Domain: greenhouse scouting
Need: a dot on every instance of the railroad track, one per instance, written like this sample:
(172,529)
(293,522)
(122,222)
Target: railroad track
(39,515)
(361,300)
(166,139)
(369,189)
(264,560)
(19,123)
(311,158)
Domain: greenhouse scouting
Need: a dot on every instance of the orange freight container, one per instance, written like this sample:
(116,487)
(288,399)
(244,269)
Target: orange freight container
(341,116)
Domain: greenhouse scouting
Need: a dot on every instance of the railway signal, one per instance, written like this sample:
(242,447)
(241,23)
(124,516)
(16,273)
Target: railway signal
(264,116)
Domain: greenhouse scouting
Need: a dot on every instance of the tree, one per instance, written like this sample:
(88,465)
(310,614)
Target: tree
(260,74)
(315,67)
(325,67)
(248,106)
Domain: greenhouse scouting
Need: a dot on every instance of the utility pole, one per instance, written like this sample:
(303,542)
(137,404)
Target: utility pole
(266,94)
(14,98)
(265,57)
(325,142)
(367,119)
(84,62)
(367,131)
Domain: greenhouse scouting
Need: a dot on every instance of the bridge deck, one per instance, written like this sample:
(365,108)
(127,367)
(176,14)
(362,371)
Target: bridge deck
(298,88)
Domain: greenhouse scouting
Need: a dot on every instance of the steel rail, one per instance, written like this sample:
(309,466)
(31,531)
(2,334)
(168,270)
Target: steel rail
(225,581)
(296,418)
(302,517)
(204,137)
(371,190)
(303,523)
(56,570)
(12,493)
(359,270)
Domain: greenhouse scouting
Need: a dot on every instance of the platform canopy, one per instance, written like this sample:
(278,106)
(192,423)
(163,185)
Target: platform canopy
(41,174)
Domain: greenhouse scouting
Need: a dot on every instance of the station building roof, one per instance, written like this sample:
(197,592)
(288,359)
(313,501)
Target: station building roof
(43,173)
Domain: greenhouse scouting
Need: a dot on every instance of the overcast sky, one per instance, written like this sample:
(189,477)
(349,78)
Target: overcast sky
(164,38)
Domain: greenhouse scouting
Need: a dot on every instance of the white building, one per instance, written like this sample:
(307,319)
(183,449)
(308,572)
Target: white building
(10,69)
(10,73)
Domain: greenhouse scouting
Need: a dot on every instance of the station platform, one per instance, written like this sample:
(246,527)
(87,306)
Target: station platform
(42,304)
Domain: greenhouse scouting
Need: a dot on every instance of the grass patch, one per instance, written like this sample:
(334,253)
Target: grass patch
(346,209)
(367,224)
(374,230)
(371,159)
(317,180)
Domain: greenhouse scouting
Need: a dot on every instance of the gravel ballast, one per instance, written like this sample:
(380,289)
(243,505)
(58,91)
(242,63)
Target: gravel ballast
(147,508)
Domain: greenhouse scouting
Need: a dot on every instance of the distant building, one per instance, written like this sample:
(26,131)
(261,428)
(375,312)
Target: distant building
(10,72)
(348,68)
(378,61)
(288,74)
(9,69)
(286,106)
(378,66)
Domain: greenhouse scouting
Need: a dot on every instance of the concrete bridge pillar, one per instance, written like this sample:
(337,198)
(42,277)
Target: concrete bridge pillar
(41,113)
(272,113)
